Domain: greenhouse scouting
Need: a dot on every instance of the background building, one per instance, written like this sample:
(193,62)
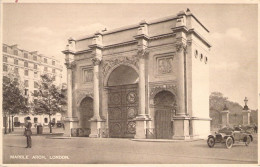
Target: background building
(147,80)
(29,66)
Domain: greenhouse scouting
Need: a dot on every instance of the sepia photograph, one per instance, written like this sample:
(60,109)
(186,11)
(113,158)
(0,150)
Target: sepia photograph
(129,83)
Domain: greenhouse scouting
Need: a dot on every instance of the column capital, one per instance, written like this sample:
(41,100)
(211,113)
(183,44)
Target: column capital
(96,61)
(181,46)
(142,53)
(70,65)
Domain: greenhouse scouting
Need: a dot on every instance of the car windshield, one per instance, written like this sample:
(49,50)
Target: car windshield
(226,129)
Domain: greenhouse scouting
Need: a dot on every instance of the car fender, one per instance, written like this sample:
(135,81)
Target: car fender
(212,136)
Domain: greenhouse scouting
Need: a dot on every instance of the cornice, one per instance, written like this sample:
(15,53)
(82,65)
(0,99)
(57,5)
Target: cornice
(121,44)
(180,28)
(68,52)
(162,36)
(197,34)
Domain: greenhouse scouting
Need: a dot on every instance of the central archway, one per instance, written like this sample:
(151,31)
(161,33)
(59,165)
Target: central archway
(122,101)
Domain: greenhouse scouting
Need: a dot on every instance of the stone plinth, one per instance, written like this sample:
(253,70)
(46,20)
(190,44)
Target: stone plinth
(181,128)
(141,121)
(225,118)
(246,117)
(70,123)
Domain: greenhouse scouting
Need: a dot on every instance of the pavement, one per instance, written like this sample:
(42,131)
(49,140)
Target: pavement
(53,149)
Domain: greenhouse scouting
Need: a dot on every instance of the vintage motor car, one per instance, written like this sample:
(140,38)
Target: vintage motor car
(229,136)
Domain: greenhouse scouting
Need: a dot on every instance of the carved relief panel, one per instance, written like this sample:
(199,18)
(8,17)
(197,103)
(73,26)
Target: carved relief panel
(164,65)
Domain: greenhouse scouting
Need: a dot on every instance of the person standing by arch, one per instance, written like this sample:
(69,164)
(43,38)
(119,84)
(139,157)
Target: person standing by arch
(28,132)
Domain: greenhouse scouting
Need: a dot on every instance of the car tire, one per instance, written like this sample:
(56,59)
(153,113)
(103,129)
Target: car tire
(248,140)
(211,142)
(229,142)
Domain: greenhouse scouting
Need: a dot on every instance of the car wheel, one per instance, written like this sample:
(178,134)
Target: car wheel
(248,140)
(229,142)
(211,142)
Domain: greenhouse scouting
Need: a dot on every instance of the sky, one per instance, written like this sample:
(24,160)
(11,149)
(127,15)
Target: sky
(233,34)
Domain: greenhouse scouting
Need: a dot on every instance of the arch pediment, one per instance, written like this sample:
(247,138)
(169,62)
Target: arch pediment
(81,94)
(110,64)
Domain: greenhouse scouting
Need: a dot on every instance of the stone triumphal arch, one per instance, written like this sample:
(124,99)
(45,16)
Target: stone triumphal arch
(149,80)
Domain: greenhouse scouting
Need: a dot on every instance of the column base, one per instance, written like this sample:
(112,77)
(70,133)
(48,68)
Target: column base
(181,128)
(96,126)
(140,127)
(70,123)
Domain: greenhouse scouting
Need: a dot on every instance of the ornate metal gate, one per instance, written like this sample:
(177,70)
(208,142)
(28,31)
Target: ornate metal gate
(122,109)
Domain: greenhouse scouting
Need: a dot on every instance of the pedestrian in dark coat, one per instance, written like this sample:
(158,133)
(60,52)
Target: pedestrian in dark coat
(255,128)
(28,132)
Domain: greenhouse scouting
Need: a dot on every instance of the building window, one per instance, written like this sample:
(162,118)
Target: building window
(206,60)
(201,57)
(4,49)
(35,66)
(26,72)
(35,58)
(45,68)
(25,55)
(5,68)
(26,83)
(35,120)
(35,84)
(35,74)
(45,60)
(25,91)
(5,59)
(35,101)
(45,120)
(53,70)
(87,75)
(16,52)
(15,61)
(16,70)
(196,53)
(25,64)
(35,93)
(16,119)
(164,65)
(53,62)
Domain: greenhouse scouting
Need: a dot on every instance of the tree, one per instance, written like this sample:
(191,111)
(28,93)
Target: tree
(48,98)
(14,101)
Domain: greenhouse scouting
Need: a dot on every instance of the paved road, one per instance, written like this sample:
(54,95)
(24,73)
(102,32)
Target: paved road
(124,151)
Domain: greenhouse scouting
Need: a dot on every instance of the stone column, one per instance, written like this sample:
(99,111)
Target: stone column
(96,119)
(225,117)
(70,121)
(142,117)
(181,121)
(181,94)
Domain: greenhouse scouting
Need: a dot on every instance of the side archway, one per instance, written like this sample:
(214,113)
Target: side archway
(85,114)
(164,103)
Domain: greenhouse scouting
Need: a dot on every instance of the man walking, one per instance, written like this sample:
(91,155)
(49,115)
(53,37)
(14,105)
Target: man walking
(28,132)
